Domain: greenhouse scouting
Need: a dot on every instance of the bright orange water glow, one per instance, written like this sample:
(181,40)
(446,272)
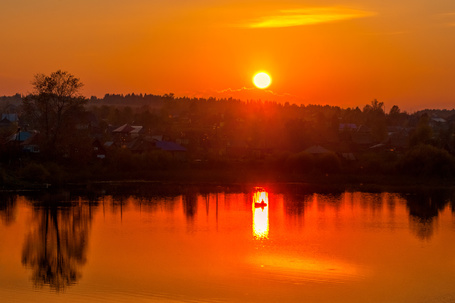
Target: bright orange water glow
(261,214)
(339,247)
(311,269)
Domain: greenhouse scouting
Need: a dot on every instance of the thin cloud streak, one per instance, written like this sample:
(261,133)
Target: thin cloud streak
(236,90)
(450,16)
(230,90)
(306,16)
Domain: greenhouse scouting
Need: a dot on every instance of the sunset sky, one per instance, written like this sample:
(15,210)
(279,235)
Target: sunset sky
(343,53)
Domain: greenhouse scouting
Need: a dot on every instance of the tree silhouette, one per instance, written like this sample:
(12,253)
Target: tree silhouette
(396,117)
(394,111)
(375,106)
(376,120)
(54,107)
(423,133)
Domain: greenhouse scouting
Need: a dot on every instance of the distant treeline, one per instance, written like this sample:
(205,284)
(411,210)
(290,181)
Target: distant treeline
(158,101)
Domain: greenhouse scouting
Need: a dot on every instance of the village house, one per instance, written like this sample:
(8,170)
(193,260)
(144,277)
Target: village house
(31,144)
(125,133)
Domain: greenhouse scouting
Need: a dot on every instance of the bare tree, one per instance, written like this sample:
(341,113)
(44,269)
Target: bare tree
(54,106)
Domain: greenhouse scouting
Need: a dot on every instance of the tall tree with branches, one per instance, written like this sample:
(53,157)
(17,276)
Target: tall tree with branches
(54,107)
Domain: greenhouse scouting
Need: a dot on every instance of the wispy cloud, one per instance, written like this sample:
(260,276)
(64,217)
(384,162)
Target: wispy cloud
(235,90)
(395,33)
(305,16)
(253,89)
(449,19)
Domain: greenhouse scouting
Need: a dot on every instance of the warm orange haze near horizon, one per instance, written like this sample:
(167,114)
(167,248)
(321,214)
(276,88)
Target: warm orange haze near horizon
(317,52)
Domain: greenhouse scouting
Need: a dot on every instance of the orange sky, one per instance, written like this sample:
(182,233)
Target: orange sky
(318,52)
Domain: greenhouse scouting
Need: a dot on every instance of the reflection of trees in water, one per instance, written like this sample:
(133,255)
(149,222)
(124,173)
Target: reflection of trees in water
(153,204)
(295,202)
(8,207)
(333,200)
(391,201)
(206,193)
(373,201)
(149,201)
(422,228)
(424,208)
(56,246)
(190,204)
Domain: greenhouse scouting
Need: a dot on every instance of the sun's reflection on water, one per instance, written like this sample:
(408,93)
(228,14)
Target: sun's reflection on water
(260,207)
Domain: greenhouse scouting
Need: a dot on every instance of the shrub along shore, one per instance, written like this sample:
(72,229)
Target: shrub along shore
(424,165)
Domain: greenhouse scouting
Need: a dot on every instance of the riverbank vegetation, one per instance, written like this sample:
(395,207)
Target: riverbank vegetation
(56,136)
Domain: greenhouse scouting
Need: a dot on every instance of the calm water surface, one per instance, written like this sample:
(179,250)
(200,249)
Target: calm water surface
(255,245)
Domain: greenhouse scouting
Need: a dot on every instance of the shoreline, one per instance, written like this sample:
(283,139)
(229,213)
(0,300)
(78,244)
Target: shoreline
(229,178)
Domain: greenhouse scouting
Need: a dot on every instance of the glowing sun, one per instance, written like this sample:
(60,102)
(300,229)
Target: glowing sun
(262,80)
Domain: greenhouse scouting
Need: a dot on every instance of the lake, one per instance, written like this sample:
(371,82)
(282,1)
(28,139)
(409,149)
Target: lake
(227,244)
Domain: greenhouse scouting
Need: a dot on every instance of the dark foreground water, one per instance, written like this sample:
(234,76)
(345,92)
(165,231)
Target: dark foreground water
(256,245)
